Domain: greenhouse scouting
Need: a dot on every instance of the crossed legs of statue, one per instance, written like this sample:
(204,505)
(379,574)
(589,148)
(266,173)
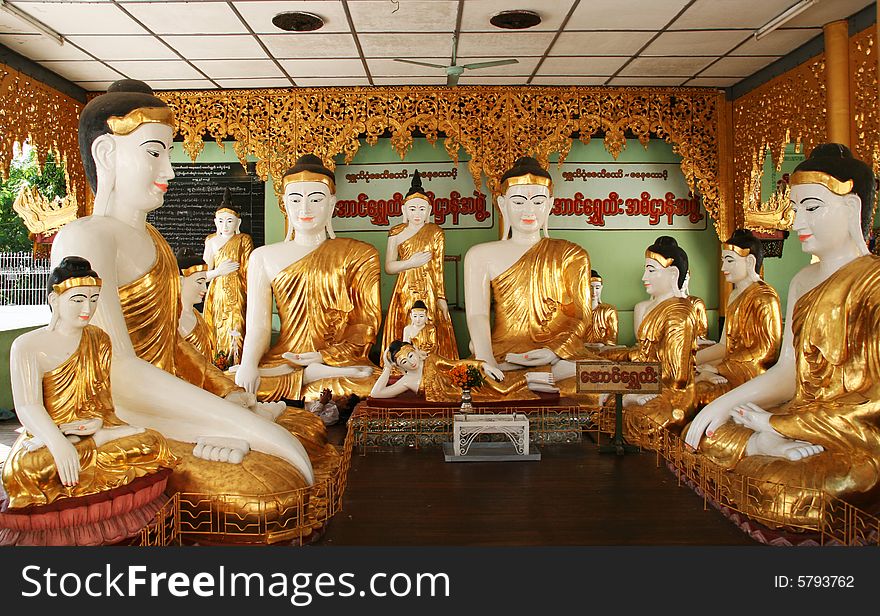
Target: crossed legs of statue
(768,442)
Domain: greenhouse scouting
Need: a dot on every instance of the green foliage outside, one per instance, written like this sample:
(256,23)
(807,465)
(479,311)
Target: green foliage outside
(25,171)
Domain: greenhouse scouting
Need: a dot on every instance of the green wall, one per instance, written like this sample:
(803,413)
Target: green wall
(617,255)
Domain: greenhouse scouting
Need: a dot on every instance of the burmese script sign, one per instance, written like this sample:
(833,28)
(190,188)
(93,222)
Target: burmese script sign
(623,196)
(618,377)
(370,196)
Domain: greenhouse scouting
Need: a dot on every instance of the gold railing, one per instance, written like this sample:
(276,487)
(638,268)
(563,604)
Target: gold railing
(165,527)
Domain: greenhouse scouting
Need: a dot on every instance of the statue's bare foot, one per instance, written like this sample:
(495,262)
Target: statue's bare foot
(777,446)
(798,450)
(221,449)
(105,435)
(269,410)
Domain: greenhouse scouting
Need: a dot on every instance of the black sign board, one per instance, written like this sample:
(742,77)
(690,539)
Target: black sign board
(187,217)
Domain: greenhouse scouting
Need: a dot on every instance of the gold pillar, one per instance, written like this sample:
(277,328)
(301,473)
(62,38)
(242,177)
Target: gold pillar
(730,214)
(837,109)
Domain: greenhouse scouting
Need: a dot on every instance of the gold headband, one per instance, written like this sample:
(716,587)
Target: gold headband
(124,125)
(664,261)
(199,267)
(819,177)
(79,281)
(417,195)
(743,252)
(527,179)
(595,279)
(226,210)
(310,176)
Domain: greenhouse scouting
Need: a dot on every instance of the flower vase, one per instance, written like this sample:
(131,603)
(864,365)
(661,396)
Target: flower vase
(466,405)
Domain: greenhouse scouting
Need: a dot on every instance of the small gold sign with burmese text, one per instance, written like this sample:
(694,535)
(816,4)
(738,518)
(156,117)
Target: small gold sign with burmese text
(618,377)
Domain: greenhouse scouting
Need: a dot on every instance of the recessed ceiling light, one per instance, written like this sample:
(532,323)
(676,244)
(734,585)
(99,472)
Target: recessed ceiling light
(515,20)
(297,21)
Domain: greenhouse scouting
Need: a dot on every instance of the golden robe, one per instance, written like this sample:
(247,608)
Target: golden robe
(328,301)
(702,317)
(543,301)
(227,296)
(753,334)
(604,328)
(836,405)
(437,386)
(76,390)
(420,283)
(667,335)
(200,337)
(151,307)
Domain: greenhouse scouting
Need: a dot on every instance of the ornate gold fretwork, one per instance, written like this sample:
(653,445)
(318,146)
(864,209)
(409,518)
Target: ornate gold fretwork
(493,125)
(42,216)
(863,92)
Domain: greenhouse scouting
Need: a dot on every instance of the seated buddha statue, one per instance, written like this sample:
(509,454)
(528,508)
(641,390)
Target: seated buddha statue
(414,254)
(73,443)
(811,422)
(666,327)
(753,325)
(327,292)
(193,287)
(159,380)
(539,286)
(604,327)
(227,252)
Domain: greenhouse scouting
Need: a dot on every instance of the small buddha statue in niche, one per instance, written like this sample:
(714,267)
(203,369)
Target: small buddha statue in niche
(812,421)
(415,254)
(193,287)
(327,292)
(227,252)
(666,327)
(540,287)
(753,325)
(605,323)
(74,444)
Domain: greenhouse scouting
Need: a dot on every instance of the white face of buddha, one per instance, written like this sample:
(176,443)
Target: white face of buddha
(408,359)
(822,220)
(526,206)
(734,267)
(415,211)
(143,166)
(418,317)
(596,288)
(309,205)
(659,280)
(74,308)
(227,224)
(193,288)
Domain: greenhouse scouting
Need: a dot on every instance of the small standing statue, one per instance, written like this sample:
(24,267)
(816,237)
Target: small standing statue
(605,323)
(193,287)
(415,253)
(227,253)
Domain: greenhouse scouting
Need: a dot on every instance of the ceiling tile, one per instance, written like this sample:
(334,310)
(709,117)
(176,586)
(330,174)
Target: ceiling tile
(505,44)
(323,68)
(524,66)
(474,79)
(94,86)
(705,43)
(10,24)
(83,71)
(777,43)
(715,82)
(410,46)
(231,46)
(686,67)
(125,47)
(82,18)
(730,14)
(38,47)
(596,65)
(410,81)
(163,69)
(624,14)
(254,83)
(319,82)
(738,67)
(181,84)
(825,12)
(187,17)
(408,16)
(259,15)
(647,81)
(388,68)
(475,16)
(599,43)
(309,45)
(550,80)
(231,69)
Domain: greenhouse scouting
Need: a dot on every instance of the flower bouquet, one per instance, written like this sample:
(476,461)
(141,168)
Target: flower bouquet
(466,377)
(221,360)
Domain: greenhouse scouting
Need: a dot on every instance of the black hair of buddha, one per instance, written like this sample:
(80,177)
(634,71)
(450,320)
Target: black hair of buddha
(310,162)
(70,267)
(419,304)
(594,274)
(122,97)
(743,238)
(395,346)
(666,246)
(187,258)
(415,186)
(837,161)
(227,202)
(523,166)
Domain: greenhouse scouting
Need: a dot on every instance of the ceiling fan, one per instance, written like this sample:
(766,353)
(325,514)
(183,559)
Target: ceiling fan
(453,71)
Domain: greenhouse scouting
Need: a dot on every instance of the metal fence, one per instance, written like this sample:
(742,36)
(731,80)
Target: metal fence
(22,279)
